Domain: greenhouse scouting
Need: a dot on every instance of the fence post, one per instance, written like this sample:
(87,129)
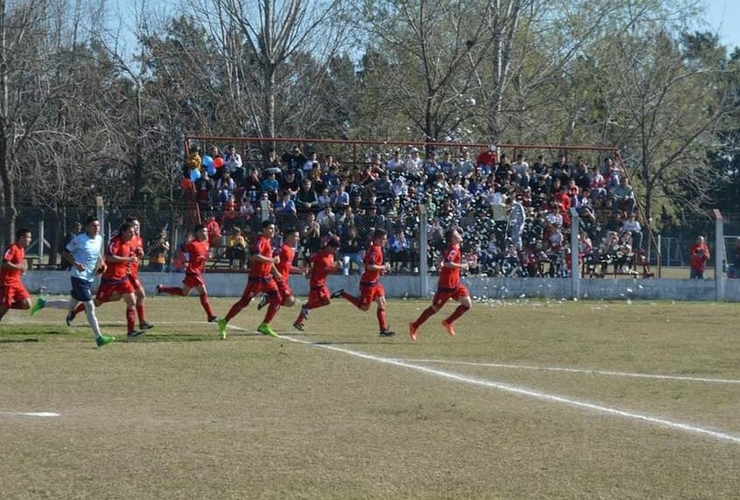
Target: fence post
(575,278)
(423,251)
(41,240)
(719,241)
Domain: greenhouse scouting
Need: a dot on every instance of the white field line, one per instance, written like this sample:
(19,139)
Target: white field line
(43,414)
(578,370)
(522,391)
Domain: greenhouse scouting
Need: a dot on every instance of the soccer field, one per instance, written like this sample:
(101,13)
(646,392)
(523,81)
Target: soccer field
(532,399)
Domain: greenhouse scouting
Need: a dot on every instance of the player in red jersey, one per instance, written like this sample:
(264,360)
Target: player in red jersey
(448,287)
(322,263)
(370,287)
(137,246)
(285,268)
(196,253)
(114,283)
(260,281)
(13,295)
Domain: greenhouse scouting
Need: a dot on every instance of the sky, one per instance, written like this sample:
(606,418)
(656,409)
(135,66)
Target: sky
(723,16)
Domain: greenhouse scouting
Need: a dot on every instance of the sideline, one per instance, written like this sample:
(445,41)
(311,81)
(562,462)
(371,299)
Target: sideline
(524,392)
(43,414)
(578,370)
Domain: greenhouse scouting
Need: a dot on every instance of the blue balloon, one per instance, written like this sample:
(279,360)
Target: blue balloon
(211,170)
(207,161)
(194,174)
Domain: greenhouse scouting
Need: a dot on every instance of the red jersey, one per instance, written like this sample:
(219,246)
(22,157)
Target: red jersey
(323,264)
(286,254)
(261,246)
(137,248)
(373,256)
(449,277)
(117,270)
(197,255)
(15,255)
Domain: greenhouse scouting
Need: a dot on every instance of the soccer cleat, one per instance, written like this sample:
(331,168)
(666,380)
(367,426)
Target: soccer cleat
(265,329)
(221,329)
(70,318)
(387,333)
(337,293)
(40,304)
(134,335)
(104,340)
(145,325)
(448,326)
(413,332)
(212,319)
(263,302)
(299,326)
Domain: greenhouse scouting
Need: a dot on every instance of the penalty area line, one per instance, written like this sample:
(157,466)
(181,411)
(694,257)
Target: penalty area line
(523,391)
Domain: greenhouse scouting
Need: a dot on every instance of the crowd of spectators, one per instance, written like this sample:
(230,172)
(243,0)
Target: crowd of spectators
(515,216)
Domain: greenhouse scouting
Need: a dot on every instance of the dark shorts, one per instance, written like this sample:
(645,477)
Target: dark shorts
(81,289)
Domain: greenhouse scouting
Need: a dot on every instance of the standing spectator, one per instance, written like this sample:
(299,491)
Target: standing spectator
(371,290)
(632,225)
(157,251)
(517,219)
(213,230)
(520,169)
(76,229)
(196,252)
(350,248)
(623,197)
(13,295)
(260,281)
(487,159)
(699,252)
(225,187)
(84,253)
(449,287)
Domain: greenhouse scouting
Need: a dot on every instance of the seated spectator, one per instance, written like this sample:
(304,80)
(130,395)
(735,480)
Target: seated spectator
(225,186)
(233,164)
(399,250)
(382,188)
(341,197)
(253,185)
(285,205)
(236,248)
(597,185)
(289,182)
(445,164)
(623,197)
(631,225)
(520,169)
(306,199)
(270,186)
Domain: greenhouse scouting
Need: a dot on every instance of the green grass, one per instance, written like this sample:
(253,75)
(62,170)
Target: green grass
(180,414)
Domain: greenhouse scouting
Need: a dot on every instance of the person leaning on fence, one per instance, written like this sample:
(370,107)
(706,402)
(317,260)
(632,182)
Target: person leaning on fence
(13,295)
(699,253)
(157,251)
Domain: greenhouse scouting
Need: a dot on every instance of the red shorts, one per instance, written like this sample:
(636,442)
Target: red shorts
(135,282)
(108,288)
(284,289)
(320,294)
(258,286)
(368,293)
(193,281)
(12,294)
(444,294)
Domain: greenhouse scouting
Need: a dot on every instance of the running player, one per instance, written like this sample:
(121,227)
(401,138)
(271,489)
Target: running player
(285,268)
(196,253)
(448,287)
(13,295)
(322,263)
(260,281)
(371,290)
